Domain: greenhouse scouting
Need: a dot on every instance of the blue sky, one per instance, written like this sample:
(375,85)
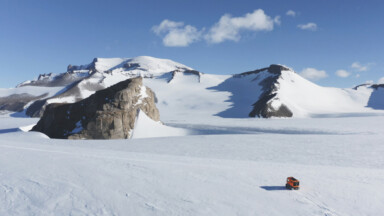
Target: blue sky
(317,38)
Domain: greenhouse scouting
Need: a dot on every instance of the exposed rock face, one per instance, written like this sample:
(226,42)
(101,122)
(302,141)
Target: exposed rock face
(185,71)
(273,68)
(36,109)
(263,107)
(374,86)
(16,102)
(50,80)
(108,114)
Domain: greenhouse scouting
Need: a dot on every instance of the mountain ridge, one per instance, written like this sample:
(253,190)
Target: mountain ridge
(273,91)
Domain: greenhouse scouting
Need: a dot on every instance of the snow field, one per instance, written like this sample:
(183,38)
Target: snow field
(227,174)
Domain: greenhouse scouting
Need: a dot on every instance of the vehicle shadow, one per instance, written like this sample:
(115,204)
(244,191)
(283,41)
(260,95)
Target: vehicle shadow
(273,188)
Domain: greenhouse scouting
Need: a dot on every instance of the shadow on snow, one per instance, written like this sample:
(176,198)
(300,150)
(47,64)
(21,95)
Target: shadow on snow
(273,188)
(9,130)
(376,100)
(241,99)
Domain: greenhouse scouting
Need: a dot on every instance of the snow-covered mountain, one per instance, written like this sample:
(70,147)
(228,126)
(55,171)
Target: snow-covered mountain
(186,94)
(278,91)
(79,82)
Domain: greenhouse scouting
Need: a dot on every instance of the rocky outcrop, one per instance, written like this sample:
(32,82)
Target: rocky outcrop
(36,109)
(186,72)
(73,90)
(50,80)
(108,114)
(16,102)
(273,69)
(374,86)
(263,108)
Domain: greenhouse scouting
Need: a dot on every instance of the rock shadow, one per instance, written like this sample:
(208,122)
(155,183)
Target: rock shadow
(9,130)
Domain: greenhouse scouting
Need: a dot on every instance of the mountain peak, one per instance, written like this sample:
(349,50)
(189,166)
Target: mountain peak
(273,68)
(277,68)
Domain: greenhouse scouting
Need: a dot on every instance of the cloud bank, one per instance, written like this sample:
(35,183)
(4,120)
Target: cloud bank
(228,28)
(309,26)
(291,13)
(176,34)
(313,74)
(343,73)
(381,80)
(359,67)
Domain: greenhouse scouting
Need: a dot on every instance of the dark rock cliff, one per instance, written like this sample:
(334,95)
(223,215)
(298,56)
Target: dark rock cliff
(108,114)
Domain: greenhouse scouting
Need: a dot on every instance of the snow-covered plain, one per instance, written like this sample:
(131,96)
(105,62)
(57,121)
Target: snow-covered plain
(224,167)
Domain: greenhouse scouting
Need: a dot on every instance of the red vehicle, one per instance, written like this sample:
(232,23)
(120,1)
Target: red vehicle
(292,183)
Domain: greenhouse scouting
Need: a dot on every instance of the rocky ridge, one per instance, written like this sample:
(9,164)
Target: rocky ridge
(108,114)
(81,81)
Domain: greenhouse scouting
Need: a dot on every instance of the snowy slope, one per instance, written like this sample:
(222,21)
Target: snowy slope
(185,98)
(269,89)
(147,128)
(307,99)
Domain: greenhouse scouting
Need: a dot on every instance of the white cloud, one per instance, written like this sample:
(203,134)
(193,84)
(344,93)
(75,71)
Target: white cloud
(181,37)
(359,67)
(381,80)
(309,26)
(176,34)
(166,25)
(313,74)
(342,73)
(277,20)
(291,13)
(229,28)
(357,75)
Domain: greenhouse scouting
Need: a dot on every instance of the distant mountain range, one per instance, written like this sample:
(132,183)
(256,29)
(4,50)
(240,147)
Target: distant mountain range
(184,93)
